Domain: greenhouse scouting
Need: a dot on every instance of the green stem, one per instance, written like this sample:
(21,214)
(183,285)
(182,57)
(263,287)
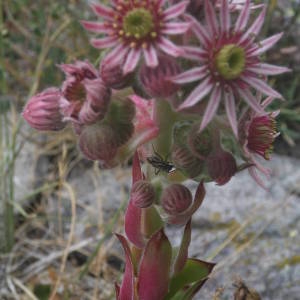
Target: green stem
(165,118)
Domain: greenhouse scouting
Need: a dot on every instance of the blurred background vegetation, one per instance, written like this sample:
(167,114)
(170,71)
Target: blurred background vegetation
(35,36)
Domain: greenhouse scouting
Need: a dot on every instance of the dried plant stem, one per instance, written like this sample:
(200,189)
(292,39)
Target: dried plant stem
(70,238)
(3,86)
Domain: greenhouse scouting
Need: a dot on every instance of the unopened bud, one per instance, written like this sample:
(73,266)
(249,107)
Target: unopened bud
(124,132)
(184,160)
(113,75)
(200,143)
(142,194)
(181,131)
(121,111)
(98,142)
(42,111)
(221,167)
(176,199)
(155,80)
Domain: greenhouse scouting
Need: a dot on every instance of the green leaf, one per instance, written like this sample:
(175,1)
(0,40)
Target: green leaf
(194,271)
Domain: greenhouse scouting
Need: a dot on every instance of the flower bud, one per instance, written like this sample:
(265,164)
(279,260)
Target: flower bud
(176,199)
(142,194)
(98,142)
(121,111)
(181,131)
(42,111)
(85,96)
(113,76)
(183,160)
(221,166)
(155,80)
(200,143)
(123,132)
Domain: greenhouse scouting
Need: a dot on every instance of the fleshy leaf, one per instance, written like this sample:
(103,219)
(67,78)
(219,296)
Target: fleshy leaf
(126,292)
(183,250)
(136,168)
(151,221)
(154,273)
(133,215)
(195,271)
(133,225)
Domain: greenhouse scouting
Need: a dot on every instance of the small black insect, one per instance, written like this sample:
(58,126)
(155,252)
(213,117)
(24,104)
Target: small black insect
(160,163)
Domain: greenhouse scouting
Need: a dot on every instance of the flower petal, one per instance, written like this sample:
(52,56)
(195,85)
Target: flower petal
(231,111)
(190,75)
(261,86)
(257,179)
(116,55)
(96,27)
(267,69)
(243,17)
(255,28)
(211,19)
(169,47)
(211,107)
(197,94)
(103,11)
(132,60)
(175,28)
(251,100)
(194,53)
(150,57)
(106,42)
(224,16)
(199,30)
(175,10)
(266,44)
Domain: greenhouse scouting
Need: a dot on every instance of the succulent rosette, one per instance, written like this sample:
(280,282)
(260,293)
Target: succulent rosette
(135,29)
(85,97)
(230,67)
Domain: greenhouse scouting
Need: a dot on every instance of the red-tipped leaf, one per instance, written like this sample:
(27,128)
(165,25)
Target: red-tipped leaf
(127,290)
(154,273)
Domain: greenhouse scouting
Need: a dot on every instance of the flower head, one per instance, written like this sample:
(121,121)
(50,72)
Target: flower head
(85,96)
(42,111)
(257,135)
(137,28)
(229,62)
(261,135)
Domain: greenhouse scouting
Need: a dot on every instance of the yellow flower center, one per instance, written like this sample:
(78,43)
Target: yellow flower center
(138,23)
(230,61)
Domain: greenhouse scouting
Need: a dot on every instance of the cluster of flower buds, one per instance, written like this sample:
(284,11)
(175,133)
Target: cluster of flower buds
(102,118)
